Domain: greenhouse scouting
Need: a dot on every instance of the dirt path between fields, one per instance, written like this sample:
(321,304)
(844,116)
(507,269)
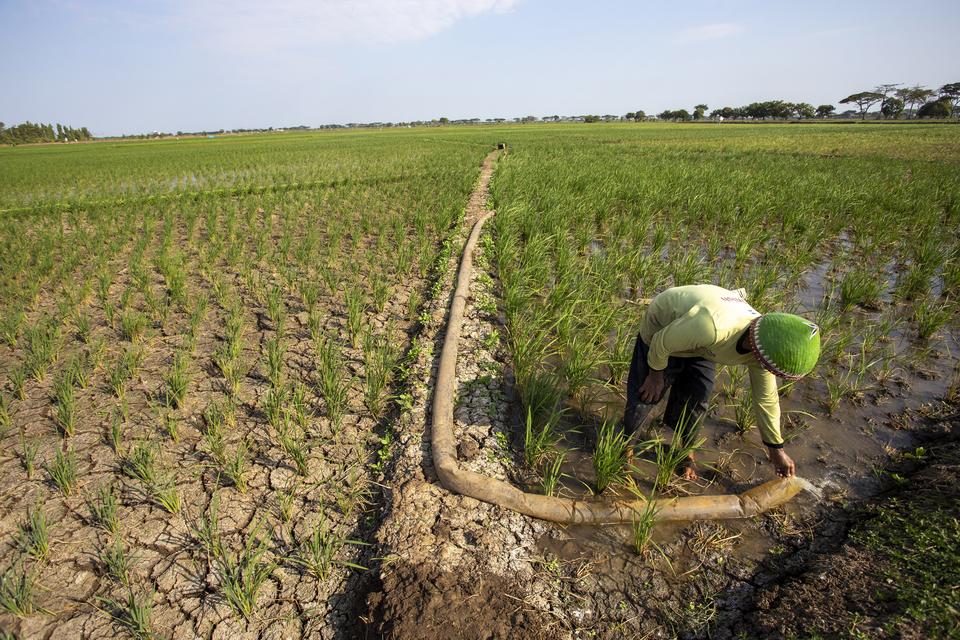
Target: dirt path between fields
(455,567)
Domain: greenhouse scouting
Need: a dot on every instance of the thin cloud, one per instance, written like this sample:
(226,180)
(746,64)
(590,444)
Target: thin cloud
(716,31)
(254,25)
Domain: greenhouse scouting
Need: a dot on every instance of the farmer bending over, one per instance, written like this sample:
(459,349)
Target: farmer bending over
(685,331)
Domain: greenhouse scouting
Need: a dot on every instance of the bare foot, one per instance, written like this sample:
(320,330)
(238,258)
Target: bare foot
(690,469)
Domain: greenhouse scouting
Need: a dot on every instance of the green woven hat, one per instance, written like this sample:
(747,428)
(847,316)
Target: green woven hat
(786,345)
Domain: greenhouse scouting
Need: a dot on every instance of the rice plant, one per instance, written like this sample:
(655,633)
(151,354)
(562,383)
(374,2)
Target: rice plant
(133,325)
(275,353)
(17,591)
(538,440)
(861,287)
(610,456)
(242,573)
(63,471)
(116,560)
(669,457)
(641,526)
(380,358)
(207,529)
(318,552)
(104,509)
(28,454)
(177,380)
(18,379)
(297,450)
(332,380)
(10,324)
(551,473)
(356,306)
(65,405)
(134,614)
(35,534)
(236,466)
(930,316)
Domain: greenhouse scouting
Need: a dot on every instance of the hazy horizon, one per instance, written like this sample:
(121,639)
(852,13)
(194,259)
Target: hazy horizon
(136,67)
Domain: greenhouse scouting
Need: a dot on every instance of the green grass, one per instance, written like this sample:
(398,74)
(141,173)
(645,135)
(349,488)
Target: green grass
(919,539)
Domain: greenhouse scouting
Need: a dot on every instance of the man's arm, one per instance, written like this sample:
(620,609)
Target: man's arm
(686,333)
(766,404)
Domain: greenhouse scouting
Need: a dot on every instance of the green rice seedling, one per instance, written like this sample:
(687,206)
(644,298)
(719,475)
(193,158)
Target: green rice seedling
(297,449)
(28,454)
(309,293)
(300,406)
(332,381)
(356,306)
(538,440)
(318,553)
(17,591)
(177,380)
(6,422)
(43,346)
(77,371)
(166,495)
(207,529)
(610,456)
(63,471)
(65,401)
(35,534)
(140,464)
(315,324)
(115,434)
(18,379)
(133,325)
(275,405)
(641,526)
(243,573)
(540,393)
(134,614)
(82,322)
(171,425)
(380,358)
(914,282)
(380,295)
(275,353)
(670,457)
(930,316)
(552,472)
(10,324)
(861,287)
(197,315)
(104,509)
(276,308)
(285,504)
(235,467)
(116,560)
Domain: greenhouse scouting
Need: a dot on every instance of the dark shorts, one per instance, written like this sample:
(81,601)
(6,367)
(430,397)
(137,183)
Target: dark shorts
(689,382)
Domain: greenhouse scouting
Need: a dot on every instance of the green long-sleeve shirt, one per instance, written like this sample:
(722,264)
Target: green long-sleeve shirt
(707,321)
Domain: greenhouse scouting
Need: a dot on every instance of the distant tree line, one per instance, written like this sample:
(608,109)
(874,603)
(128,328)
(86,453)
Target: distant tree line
(894,102)
(917,101)
(30,132)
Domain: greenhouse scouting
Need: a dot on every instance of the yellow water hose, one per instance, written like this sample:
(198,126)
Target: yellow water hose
(565,510)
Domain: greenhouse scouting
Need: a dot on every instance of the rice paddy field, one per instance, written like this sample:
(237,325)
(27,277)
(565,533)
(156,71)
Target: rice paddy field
(217,358)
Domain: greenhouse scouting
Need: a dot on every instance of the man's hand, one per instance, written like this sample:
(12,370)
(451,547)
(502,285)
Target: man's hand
(782,462)
(653,387)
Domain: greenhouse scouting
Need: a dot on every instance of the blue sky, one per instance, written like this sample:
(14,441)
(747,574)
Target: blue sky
(142,65)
